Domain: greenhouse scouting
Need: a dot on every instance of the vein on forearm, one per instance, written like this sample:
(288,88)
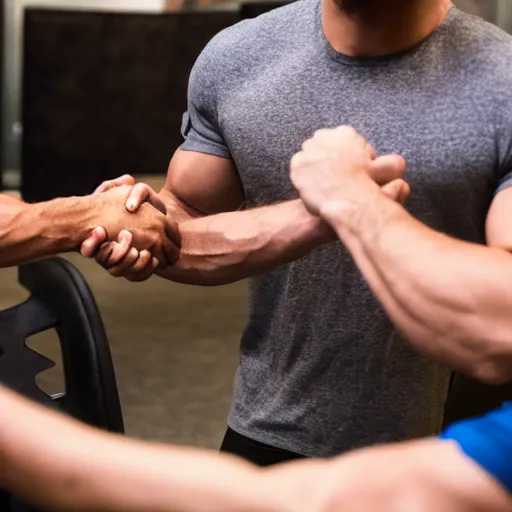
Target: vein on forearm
(32,231)
(226,247)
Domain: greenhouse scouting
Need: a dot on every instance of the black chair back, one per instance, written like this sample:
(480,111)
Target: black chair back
(61,299)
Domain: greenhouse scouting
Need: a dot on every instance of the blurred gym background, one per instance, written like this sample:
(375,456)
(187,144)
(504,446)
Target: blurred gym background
(93,89)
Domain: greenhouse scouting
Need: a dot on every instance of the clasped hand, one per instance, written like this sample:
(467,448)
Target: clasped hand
(338,166)
(137,235)
(334,167)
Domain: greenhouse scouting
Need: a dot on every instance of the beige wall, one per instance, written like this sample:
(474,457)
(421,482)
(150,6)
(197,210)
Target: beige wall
(505,15)
(138,5)
(484,8)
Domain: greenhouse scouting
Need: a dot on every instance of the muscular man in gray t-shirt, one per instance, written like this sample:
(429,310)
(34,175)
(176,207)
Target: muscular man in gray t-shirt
(322,369)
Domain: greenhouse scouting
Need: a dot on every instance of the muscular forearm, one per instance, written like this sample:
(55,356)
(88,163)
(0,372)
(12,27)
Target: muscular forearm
(60,464)
(450,298)
(32,231)
(228,247)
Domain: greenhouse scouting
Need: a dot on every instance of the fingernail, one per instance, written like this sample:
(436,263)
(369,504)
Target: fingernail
(131,205)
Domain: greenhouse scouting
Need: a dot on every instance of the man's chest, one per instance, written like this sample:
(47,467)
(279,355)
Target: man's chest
(450,151)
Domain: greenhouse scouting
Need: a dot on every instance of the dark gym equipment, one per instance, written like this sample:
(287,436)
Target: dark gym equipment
(60,299)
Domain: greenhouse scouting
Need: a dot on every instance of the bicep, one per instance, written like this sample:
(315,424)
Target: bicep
(499,221)
(202,174)
(205,183)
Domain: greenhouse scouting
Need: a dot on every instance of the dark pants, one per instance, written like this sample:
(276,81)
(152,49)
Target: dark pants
(258,453)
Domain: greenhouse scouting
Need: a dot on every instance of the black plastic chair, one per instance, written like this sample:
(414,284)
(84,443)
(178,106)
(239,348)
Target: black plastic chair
(61,299)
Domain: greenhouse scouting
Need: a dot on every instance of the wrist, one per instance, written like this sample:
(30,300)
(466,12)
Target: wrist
(347,213)
(68,221)
(340,212)
(363,211)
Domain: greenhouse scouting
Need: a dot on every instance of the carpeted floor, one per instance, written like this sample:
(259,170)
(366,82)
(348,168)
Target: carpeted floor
(175,349)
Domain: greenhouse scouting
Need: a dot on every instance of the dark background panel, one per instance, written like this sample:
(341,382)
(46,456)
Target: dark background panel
(104,94)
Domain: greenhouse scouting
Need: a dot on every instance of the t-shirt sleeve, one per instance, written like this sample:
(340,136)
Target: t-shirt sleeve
(487,441)
(200,127)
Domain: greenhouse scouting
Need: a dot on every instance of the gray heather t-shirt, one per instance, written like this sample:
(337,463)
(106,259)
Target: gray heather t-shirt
(322,369)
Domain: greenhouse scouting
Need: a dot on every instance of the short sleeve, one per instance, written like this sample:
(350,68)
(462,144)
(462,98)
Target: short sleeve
(200,127)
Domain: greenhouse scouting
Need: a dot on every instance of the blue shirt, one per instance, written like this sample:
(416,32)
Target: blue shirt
(488,441)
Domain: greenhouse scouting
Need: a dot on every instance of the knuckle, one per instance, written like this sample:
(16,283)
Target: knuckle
(127,178)
(139,269)
(309,145)
(346,132)
(131,260)
(297,159)
(320,133)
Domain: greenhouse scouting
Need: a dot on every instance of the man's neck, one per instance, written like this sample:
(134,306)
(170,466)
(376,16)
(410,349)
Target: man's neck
(381,27)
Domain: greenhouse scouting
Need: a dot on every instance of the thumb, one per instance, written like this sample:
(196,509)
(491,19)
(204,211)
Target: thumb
(387,168)
(92,244)
(397,190)
(142,193)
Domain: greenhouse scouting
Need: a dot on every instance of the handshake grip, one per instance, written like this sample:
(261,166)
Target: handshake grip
(137,210)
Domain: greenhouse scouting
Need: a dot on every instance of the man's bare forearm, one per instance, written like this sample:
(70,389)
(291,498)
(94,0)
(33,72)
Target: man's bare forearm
(56,462)
(32,231)
(451,299)
(228,247)
(419,476)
